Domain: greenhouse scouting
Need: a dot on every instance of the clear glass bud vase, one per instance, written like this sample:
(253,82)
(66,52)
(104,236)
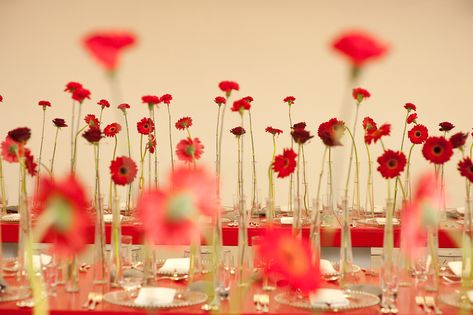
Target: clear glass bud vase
(432,260)
(389,270)
(297,219)
(315,229)
(115,257)
(467,245)
(269,211)
(346,251)
(24,228)
(72,275)
(99,245)
(243,251)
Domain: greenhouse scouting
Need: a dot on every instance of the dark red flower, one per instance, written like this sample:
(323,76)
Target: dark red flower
(30,164)
(63,205)
(93,135)
(1,98)
(183,123)
(92,121)
(11,150)
(123,170)
(238,131)
(465,167)
(359,47)
(437,150)
(150,100)
(20,135)
(418,134)
(331,132)
(360,94)
(249,99)
(240,106)
(458,140)
(104,103)
(409,107)
(228,87)
(391,164)
(72,86)
(188,150)
(287,256)
(80,94)
(289,100)
(112,130)
(59,122)
(412,118)
(273,131)
(299,134)
(166,99)
(151,145)
(446,126)
(44,104)
(105,47)
(299,125)
(145,126)
(219,100)
(285,164)
(123,107)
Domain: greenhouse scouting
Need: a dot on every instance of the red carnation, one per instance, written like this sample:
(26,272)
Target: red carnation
(360,94)
(72,86)
(166,99)
(331,132)
(93,135)
(240,106)
(219,100)
(44,104)
(359,47)
(151,145)
(183,123)
(123,170)
(418,134)
(458,140)
(145,126)
(437,150)
(409,107)
(238,131)
(112,130)
(391,163)
(92,121)
(80,94)
(465,167)
(273,131)
(150,100)
(123,107)
(59,122)
(299,134)
(104,103)
(289,100)
(249,99)
(20,135)
(285,164)
(412,118)
(446,126)
(30,164)
(299,125)
(105,47)
(228,87)
(188,150)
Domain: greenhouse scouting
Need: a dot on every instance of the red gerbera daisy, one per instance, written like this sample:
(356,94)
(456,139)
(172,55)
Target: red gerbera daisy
(331,132)
(63,206)
(369,124)
(150,100)
(273,131)
(285,163)
(219,100)
(166,99)
(465,167)
(446,126)
(112,130)
(228,87)
(409,107)
(240,106)
(391,164)
(103,103)
(151,145)
(183,123)
(123,170)
(412,118)
(44,104)
(418,134)
(437,150)
(11,150)
(238,131)
(375,134)
(285,255)
(105,47)
(289,100)
(458,140)
(80,94)
(360,94)
(30,164)
(72,86)
(93,135)
(145,126)
(359,47)
(92,121)
(123,107)
(188,150)
(59,122)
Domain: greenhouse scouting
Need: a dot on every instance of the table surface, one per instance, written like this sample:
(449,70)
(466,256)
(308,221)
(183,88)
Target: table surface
(70,303)
(362,235)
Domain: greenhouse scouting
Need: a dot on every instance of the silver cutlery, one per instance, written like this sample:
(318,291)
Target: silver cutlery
(421,302)
(96,300)
(430,302)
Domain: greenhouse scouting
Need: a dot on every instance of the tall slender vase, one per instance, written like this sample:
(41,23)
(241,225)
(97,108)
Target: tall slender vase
(24,225)
(346,251)
(243,251)
(315,230)
(389,272)
(72,275)
(432,264)
(115,258)
(100,270)
(467,245)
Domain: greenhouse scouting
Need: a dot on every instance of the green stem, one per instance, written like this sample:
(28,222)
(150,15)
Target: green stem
(72,133)
(54,151)
(408,173)
(116,229)
(369,190)
(270,171)
(404,131)
(2,189)
(128,201)
(41,149)
(321,174)
(350,161)
(296,223)
(170,138)
(217,163)
(357,186)
(471,151)
(141,183)
(110,193)
(304,179)
(253,196)
(219,166)
(74,159)
(151,114)
(291,178)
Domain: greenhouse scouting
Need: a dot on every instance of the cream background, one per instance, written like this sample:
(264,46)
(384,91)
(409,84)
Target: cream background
(272,48)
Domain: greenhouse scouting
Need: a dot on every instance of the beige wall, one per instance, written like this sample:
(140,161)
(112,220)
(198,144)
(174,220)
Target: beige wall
(272,48)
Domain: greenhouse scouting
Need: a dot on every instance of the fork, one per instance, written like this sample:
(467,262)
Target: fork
(430,301)
(421,302)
